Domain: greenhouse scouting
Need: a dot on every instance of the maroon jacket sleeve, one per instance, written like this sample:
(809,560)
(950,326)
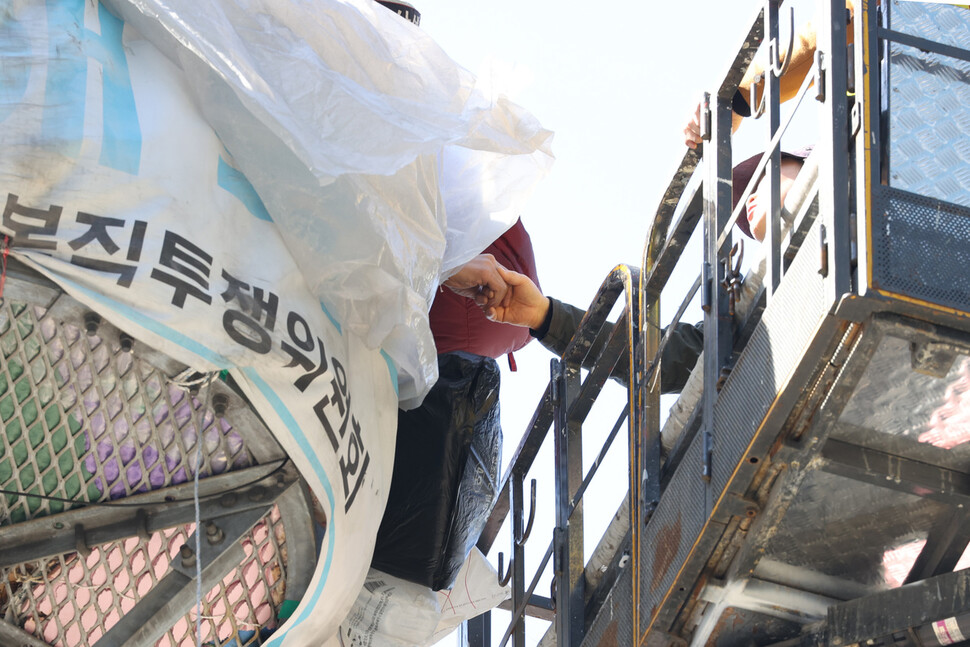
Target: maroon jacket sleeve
(458,324)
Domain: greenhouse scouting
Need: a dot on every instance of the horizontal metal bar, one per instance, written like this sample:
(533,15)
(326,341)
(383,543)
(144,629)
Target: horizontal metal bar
(888,612)
(13,635)
(56,534)
(895,472)
(536,607)
(923,44)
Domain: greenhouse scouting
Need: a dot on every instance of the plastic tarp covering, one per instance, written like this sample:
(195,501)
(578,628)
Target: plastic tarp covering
(382,164)
(207,176)
(446,472)
(390,612)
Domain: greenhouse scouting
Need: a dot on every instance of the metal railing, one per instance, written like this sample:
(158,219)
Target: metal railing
(685,206)
(564,407)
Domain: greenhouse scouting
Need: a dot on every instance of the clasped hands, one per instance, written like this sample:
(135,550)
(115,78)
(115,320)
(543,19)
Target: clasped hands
(503,295)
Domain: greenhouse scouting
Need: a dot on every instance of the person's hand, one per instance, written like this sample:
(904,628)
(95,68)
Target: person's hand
(692,133)
(523,305)
(479,280)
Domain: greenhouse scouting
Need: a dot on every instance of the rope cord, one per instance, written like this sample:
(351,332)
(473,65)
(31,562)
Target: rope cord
(199,437)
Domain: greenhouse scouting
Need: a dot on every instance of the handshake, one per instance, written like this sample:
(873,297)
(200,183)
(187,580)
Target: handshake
(503,295)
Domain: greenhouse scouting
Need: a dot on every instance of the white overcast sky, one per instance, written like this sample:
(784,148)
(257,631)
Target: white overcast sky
(615,81)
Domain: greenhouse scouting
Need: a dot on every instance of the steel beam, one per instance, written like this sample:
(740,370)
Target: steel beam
(140,514)
(175,594)
(13,635)
(895,472)
(898,610)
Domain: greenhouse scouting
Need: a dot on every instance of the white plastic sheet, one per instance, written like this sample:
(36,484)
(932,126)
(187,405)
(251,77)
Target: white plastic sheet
(124,155)
(391,612)
(338,112)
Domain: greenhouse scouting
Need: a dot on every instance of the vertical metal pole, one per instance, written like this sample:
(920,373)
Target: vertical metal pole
(833,173)
(643,431)
(717,321)
(867,91)
(518,558)
(646,433)
(568,534)
(478,631)
(773,170)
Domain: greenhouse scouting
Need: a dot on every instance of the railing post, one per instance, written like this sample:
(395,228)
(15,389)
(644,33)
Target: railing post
(772,96)
(717,321)
(568,539)
(518,559)
(478,631)
(833,172)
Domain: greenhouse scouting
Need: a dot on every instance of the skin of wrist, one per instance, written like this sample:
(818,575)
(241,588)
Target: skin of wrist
(542,314)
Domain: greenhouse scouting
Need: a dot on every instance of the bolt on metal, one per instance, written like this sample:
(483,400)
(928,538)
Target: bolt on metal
(213,533)
(92,321)
(188,556)
(220,404)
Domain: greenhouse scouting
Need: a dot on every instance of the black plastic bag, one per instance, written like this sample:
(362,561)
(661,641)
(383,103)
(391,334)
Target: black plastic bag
(446,469)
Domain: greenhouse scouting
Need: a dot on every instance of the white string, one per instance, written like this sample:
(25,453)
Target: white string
(198,536)
(205,381)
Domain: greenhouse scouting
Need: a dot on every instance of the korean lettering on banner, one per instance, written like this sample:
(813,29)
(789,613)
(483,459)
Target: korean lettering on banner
(36,228)
(251,325)
(32,228)
(187,269)
(249,319)
(98,232)
(333,410)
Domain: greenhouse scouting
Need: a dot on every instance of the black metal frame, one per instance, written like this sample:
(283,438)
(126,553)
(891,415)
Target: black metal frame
(796,427)
(564,406)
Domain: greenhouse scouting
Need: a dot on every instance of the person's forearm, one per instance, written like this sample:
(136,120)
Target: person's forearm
(563,324)
(679,356)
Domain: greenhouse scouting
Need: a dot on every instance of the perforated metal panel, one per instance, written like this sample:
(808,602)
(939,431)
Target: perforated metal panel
(676,543)
(921,248)
(87,418)
(670,534)
(614,624)
(763,369)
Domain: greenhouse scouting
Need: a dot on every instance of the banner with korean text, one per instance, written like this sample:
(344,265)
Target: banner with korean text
(115,184)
